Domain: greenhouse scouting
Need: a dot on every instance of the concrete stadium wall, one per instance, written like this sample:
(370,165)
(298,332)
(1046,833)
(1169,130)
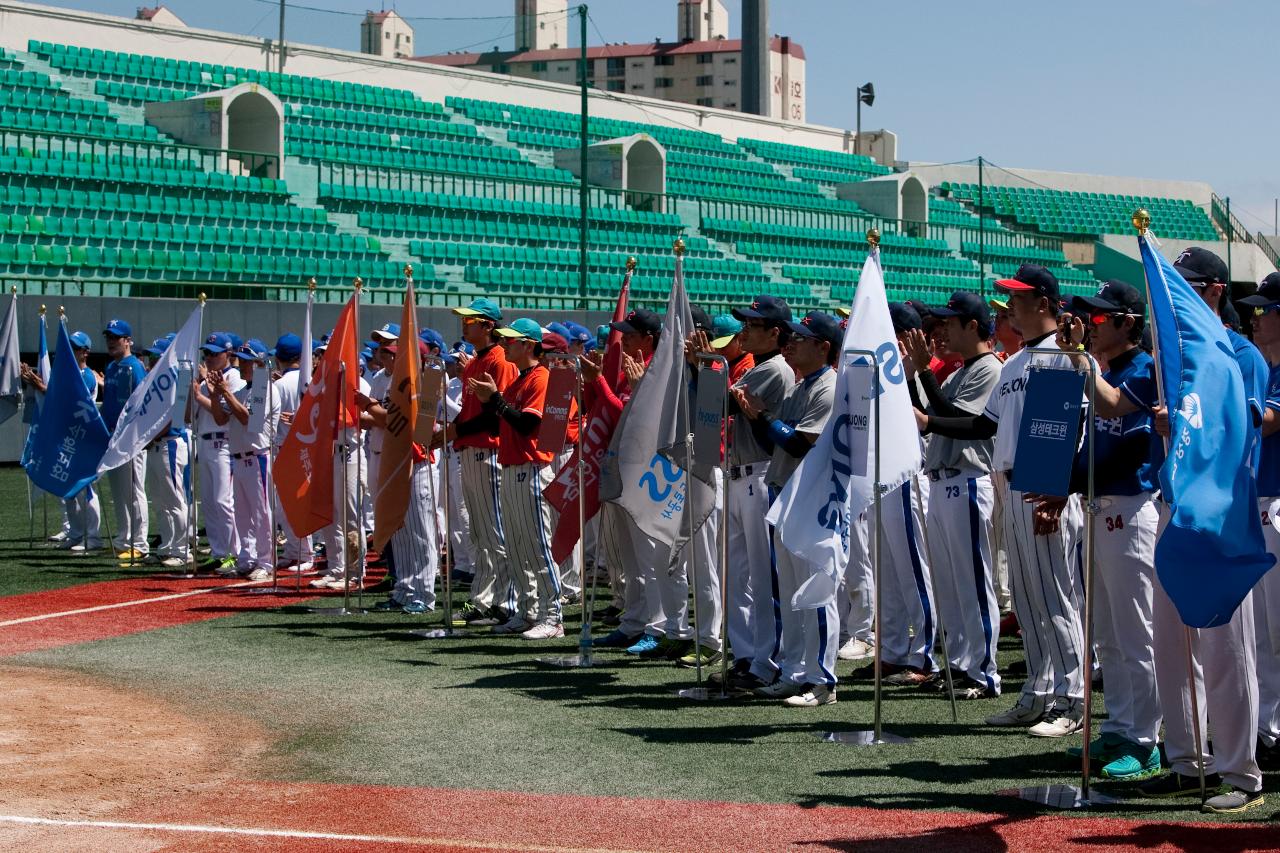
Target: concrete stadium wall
(1197,192)
(22,21)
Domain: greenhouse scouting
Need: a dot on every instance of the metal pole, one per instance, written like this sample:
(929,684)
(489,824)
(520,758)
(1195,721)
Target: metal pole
(688,543)
(584,640)
(879,541)
(982,235)
(583,191)
(933,590)
(724,547)
(857,134)
(447,583)
(343,449)
(1091,512)
(1230,233)
(280,63)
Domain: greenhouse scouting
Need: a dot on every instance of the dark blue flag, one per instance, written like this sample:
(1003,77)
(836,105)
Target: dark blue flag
(1212,551)
(69,436)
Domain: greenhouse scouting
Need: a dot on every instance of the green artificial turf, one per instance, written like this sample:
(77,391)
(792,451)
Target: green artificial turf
(360,699)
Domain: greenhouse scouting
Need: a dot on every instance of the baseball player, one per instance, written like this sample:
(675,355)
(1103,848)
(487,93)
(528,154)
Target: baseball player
(806,653)
(128,481)
(169,483)
(475,442)
(526,471)
(462,553)
(213,454)
(1041,537)
(379,379)
(251,415)
(1225,657)
(297,555)
(960,495)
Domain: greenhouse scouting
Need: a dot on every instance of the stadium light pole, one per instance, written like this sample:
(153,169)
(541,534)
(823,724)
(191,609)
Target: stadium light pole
(280,63)
(982,236)
(583,193)
(1230,232)
(866,95)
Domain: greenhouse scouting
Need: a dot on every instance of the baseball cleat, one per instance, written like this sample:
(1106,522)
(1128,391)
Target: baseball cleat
(813,696)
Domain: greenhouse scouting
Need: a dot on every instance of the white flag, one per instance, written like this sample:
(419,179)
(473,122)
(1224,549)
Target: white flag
(10,359)
(812,513)
(304,366)
(159,398)
(643,472)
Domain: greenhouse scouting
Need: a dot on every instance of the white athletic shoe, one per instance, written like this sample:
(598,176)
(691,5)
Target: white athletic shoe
(323,581)
(58,537)
(855,649)
(260,575)
(297,568)
(173,562)
(339,583)
(514,625)
(1019,715)
(815,695)
(1059,721)
(544,631)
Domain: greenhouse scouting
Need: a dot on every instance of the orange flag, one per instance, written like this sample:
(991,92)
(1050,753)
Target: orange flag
(391,492)
(303,469)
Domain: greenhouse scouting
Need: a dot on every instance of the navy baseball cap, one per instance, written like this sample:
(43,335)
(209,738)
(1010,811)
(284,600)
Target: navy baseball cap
(118,329)
(388,332)
(81,340)
(252,350)
(967,306)
(701,319)
(1267,296)
(1114,297)
(640,320)
(771,309)
(904,317)
(820,325)
(1200,266)
(486,308)
(218,342)
(157,348)
(288,347)
(578,332)
(1032,278)
(432,338)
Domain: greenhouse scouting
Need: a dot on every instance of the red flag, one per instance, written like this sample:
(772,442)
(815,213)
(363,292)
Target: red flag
(391,492)
(303,469)
(593,444)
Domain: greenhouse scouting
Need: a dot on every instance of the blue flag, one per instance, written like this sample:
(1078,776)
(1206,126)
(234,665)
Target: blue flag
(69,436)
(1212,552)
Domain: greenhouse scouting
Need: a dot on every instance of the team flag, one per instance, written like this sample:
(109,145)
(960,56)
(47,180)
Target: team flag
(391,492)
(303,469)
(159,399)
(32,398)
(602,420)
(1212,552)
(10,363)
(832,484)
(69,437)
(643,470)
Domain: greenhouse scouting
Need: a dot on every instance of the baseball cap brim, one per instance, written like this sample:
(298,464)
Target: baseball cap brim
(746,314)
(213,350)
(722,342)
(1259,301)
(1094,303)
(381,336)
(998,303)
(508,332)
(843,312)
(1013,284)
(471,312)
(1191,276)
(944,311)
(622,326)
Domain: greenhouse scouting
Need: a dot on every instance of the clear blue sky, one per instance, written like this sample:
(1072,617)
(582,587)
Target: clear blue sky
(1173,89)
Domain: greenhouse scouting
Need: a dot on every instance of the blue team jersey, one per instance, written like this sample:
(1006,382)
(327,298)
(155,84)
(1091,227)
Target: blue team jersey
(1127,452)
(90,381)
(121,378)
(1269,465)
(1256,374)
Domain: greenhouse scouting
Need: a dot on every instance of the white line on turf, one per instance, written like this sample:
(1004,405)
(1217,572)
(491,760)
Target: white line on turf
(132,603)
(298,833)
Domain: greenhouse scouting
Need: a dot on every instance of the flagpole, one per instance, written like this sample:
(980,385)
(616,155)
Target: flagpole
(584,639)
(303,382)
(193,528)
(31,508)
(44,496)
(873,239)
(1141,220)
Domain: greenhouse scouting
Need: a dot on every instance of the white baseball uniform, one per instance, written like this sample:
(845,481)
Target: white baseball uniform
(213,460)
(250,446)
(168,487)
(297,550)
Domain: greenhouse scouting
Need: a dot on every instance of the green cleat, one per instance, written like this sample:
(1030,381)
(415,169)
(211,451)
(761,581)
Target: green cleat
(1102,748)
(1133,764)
(702,655)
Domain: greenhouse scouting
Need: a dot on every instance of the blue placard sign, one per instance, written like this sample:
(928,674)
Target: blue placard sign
(1049,433)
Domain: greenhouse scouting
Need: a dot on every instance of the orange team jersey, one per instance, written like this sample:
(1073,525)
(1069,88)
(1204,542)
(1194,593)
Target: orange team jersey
(493,361)
(745,362)
(528,393)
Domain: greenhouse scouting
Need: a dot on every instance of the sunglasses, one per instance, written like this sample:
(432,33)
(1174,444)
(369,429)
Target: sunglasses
(471,321)
(755,324)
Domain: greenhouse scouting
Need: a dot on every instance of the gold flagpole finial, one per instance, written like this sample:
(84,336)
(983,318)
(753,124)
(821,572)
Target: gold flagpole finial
(631,264)
(408,270)
(13,288)
(311,284)
(359,284)
(202,298)
(42,309)
(1141,220)
(679,246)
(873,237)
(62,312)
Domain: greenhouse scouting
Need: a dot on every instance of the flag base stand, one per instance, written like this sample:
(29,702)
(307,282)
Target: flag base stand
(703,694)
(1061,796)
(863,738)
(437,634)
(583,660)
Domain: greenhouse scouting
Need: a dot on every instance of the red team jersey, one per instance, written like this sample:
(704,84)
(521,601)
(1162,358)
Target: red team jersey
(528,393)
(492,361)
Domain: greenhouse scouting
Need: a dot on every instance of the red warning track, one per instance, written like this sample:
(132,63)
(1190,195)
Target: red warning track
(97,611)
(305,817)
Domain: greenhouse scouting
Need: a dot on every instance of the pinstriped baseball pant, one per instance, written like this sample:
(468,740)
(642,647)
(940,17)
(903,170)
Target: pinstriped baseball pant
(414,545)
(249,490)
(904,581)
(571,568)
(526,525)
(167,491)
(481,491)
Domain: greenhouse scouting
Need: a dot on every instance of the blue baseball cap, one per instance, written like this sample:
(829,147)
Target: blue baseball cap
(967,306)
(318,345)
(367,352)
(218,342)
(904,317)
(464,348)
(81,340)
(432,338)
(252,350)
(771,309)
(522,328)
(578,333)
(820,325)
(388,332)
(288,347)
(560,329)
(157,348)
(723,329)
(486,308)
(236,340)
(118,329)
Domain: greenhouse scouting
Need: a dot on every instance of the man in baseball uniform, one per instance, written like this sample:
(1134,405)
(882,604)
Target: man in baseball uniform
(169,483)
(526,472)
(475,442)
(960,496)
(1041,537)
(462,553)
(128,481)
(297,556)
(213,454)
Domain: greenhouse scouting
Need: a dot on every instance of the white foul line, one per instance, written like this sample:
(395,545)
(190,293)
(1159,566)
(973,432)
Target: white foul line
(117,605)
(297,833)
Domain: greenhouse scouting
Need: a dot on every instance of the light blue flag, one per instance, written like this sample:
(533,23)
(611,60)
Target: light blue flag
(31,398)
(68,439)
(1212,552)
